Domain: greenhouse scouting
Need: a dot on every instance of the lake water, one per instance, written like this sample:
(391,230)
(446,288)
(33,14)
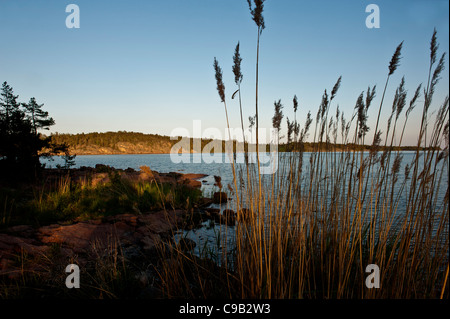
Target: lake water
(195,163)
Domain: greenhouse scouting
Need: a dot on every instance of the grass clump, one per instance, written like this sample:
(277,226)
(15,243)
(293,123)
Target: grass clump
(69,200)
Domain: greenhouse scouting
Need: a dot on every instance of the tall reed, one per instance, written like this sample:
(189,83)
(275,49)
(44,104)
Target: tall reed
(311,229)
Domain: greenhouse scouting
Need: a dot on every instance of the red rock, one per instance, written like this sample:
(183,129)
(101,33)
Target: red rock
(11,246)
(139,231)
(192,179)
(20,229)
(194,176)
(159,222)
(129,219)
(229,213)
(121,228)
(80,236)
(192,183)
(220,197)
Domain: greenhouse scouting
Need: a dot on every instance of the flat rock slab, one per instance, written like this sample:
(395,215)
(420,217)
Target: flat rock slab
(142,232)
(194,176)
(82,235)
(129,228)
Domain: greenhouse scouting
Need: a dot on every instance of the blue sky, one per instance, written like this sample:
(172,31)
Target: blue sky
(146,66)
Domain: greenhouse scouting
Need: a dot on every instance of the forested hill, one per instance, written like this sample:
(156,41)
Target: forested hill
(138,143)
(115,143)
(123,142)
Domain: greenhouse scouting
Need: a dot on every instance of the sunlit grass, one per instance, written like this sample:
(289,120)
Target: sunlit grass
(311,229)
(69,200)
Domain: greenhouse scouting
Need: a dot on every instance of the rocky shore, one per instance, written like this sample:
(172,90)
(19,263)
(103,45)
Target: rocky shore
(137,237)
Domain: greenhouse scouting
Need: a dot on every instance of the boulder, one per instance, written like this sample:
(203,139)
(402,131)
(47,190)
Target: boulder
(218,182)
(229,213)
(244,215)
(228,220)
(213,213)
(192,183)
(220,197)
(192,179)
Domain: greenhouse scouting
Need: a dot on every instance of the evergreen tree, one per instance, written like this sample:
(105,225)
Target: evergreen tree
(39,118)
(20,142)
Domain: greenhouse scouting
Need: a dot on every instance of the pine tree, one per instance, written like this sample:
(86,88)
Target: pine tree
(39,118)
(21,143)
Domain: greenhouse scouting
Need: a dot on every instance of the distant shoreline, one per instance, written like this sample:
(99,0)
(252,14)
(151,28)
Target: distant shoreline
(133,143)
(324,151)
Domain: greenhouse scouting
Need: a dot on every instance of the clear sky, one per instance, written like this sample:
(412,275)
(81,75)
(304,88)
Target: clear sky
(147,66)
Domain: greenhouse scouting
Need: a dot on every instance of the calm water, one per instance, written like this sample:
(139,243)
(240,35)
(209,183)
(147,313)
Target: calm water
(158,162)
(194,163)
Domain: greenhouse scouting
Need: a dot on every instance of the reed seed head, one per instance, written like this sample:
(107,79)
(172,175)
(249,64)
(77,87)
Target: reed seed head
(401,100)
(256,13)
(434,81)
(407,169)
(278,116)
(370,96)
(304,132)
(220,85)
(376,144)
(412,103)
(290,129)
(396,165)
(323,106)
(237,66)
(439,68)
(295,100)
(362,116)
(395,61)
(433,47)
(336,88)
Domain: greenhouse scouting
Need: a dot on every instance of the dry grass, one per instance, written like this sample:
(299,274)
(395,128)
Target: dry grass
(311,229)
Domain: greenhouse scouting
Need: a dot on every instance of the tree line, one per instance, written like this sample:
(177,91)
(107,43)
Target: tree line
(111,140)
(21,140)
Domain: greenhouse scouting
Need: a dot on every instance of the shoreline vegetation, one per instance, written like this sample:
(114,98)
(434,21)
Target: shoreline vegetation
(117,225)
(115,143)
(310,230)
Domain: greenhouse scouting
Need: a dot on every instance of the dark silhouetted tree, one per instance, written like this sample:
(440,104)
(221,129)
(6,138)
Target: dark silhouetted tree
(21,143)
(39,118)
